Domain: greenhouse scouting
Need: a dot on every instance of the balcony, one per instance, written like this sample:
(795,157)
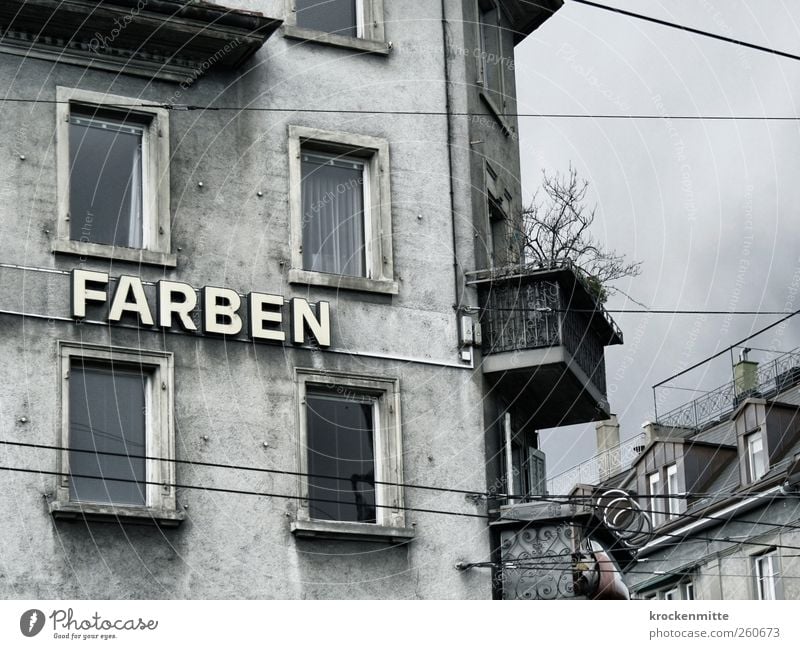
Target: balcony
(172,40)
(770,379)
(543,343)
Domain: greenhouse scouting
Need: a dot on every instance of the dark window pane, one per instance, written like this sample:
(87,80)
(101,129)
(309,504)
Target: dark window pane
(497,223)
(333,215)
(105,185)
(341,444)
(107,415)
(334,16)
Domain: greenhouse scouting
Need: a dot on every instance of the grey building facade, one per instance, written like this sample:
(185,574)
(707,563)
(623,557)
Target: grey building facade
(247,252)
(718,479)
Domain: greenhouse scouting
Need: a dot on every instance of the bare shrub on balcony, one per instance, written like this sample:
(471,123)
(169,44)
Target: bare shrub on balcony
(555,230)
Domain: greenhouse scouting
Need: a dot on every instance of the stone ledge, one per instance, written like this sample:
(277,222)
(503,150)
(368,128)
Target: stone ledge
(76,511)
(342,530)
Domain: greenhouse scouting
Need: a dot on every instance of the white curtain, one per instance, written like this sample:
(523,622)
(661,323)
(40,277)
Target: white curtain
(333,215)
(136,219)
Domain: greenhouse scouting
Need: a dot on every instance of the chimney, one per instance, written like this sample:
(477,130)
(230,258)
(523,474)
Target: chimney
(745,375)
(607,439)
(653,431)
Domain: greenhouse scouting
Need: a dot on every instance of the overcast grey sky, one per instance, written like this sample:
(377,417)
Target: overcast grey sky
(711,208)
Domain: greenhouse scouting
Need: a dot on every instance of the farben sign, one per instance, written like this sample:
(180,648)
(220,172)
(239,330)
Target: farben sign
(220,309)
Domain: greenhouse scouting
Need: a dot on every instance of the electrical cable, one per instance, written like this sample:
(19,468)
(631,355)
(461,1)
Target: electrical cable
(241,492)
(420,113)
(547,498)
(239,467)
(690,30)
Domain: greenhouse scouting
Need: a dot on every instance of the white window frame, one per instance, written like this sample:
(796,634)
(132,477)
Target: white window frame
(763,579)
(384,393)
(156,243)
(370,29)
(653,492)
(161,506)
(670,594)
(688,591)
(672,490)
(377,209)
(749,441)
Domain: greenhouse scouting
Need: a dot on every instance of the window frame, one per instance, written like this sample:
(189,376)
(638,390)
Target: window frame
(384,392)
(156,244)
(652,496)
(375,153)
(774,577)
(371,36)
(497,196)
(161,504)
(749,438)
(673,504)
(497,109)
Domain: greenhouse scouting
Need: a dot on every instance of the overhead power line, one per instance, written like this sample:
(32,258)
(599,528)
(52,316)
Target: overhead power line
(246,492)
(419,113)
(253,469)
(547,498)
(241,492)
(690,30)
(738,343)
(650,311)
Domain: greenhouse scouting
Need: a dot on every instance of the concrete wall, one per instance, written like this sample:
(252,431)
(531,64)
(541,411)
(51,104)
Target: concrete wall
(238,395)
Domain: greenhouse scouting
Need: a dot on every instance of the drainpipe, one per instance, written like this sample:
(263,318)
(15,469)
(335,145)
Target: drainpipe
(448,110)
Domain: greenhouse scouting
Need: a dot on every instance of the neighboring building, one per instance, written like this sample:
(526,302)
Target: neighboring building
(720,480)
(239,294)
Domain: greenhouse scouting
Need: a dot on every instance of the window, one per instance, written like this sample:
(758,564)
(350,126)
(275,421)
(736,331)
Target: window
(491,67)
(654,490)
(113,179)
(116,413)
(523,464)
(756,459)
(491,51)
(340,204)
(343,17)
(335,214)
(673,504)
(350,450)
(670,594)
(356,24)
(688,590)
(765,569)
(499,249)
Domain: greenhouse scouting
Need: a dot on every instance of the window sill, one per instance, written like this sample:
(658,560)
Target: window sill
(117,253)
(336,40)
(113,514)
(496,113)
(341,530)
(346,282)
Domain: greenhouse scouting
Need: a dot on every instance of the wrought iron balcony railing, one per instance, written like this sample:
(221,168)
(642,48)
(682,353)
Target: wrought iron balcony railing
(527,308)
(772,377)
(598,468)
